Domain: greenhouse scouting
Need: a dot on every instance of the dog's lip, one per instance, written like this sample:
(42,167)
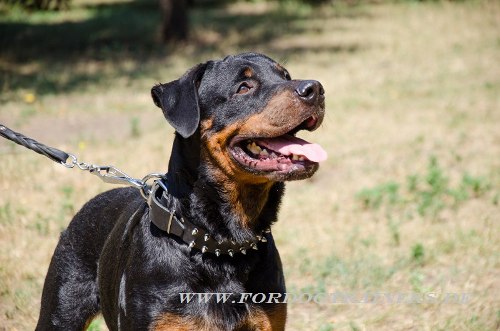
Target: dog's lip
(311,123)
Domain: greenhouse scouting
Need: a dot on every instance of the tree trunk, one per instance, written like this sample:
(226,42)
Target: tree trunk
(174,25)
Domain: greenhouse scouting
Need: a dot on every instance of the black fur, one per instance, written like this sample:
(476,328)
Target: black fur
(111,259)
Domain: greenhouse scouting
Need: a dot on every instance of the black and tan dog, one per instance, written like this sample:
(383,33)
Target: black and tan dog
(235,145)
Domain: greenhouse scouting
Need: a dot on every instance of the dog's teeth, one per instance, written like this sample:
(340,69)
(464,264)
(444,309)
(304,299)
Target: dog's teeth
(295,157)
(273,155)
(301,158)
(264,152)
(254,148)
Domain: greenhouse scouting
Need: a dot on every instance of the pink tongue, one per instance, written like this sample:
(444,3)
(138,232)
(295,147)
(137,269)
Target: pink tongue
(288,145)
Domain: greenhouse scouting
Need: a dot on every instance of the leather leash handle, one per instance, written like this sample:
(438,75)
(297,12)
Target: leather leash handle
(50,152)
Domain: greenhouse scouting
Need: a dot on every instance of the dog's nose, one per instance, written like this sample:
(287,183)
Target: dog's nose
(310,91)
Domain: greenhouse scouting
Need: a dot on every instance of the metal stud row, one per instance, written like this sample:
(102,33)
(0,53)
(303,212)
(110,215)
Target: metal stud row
(230,252)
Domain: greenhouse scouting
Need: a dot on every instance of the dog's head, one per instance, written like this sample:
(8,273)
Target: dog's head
(246,111)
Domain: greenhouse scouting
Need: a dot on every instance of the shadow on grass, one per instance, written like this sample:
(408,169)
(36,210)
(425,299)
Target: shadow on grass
(44,57)
(111,28)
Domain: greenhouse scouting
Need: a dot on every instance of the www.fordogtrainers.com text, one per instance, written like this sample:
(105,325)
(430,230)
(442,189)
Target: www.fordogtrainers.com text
(380,298)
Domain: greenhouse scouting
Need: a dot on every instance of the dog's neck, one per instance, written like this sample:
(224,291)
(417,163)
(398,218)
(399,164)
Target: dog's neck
(209,198)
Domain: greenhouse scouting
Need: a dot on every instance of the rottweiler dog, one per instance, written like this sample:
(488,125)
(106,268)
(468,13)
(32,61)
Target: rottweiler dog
(205,227)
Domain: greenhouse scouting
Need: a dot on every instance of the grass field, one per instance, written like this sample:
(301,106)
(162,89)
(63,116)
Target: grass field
(408,201)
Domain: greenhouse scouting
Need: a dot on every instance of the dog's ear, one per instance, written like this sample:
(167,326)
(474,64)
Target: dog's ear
(179,100)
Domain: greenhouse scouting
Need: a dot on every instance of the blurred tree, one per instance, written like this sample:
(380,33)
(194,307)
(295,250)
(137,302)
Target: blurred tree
(175,20)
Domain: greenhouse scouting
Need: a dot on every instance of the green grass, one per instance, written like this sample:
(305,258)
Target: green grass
(97,325)
(408,200)
(427,193)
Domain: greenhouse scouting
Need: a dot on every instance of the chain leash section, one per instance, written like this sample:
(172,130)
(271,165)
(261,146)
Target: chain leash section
(113,175)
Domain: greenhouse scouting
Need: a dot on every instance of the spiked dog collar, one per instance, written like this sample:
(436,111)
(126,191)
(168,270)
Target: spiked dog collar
(162,214)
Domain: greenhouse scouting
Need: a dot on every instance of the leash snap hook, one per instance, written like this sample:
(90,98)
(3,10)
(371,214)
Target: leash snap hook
(112,175)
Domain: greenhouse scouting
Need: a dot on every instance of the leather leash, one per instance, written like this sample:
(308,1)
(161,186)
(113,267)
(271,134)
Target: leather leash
(108,174)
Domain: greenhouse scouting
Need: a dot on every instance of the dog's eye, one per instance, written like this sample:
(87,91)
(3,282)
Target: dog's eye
(244,88)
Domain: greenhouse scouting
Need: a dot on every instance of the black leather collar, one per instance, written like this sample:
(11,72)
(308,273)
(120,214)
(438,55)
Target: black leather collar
(162,214)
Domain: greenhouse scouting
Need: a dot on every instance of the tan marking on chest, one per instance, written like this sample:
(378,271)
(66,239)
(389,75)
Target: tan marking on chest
(258,319)
(272,319)
(172,322)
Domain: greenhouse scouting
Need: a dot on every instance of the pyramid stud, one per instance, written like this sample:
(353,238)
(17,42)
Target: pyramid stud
(217,252)
(191,244)
(243,251)
(258,238)
(254,246)
(230,252)
(207,237)
(267,230)
(204,249)
(194,232)
(263,239)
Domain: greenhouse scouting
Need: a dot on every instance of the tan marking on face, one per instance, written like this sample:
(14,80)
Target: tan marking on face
(206,124)
(278,117)
(248,73)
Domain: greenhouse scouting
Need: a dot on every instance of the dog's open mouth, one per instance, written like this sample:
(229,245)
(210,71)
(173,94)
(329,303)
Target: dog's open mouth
(284,153)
